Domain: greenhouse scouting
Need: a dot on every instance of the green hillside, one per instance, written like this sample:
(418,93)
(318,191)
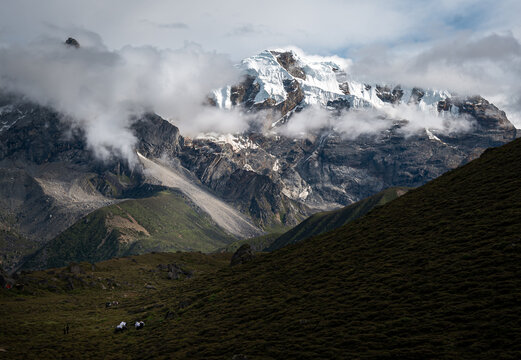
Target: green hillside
(434,274)
(163,222)
(322,222)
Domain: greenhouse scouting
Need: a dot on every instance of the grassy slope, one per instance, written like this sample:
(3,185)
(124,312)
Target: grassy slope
(322,222)
(318,223)
(434,274)
(258,243)
(34,317)
(171,222)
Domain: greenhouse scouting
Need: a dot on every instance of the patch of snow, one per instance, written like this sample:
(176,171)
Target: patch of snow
(237,142)
(432,136)
(276,166)
(303,195)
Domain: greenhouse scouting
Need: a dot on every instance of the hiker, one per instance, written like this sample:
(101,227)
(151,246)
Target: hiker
(121,327)
(67,328)
(139,325)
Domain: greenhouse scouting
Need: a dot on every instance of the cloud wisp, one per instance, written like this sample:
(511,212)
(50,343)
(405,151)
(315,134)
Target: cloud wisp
(101,91)
(352,124)
(489,66)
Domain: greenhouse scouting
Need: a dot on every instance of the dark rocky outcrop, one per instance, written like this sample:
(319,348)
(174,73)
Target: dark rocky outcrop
(175,271)
(416,95)
(71,42)
(344,87)
(245,92)
(387,95)
(339,104)
(157,137)
(75,268)
(38,135)
(243,255)
(288,62)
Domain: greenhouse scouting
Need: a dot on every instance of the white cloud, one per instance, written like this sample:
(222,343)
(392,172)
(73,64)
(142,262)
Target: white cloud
(354,123)
(101,90)
(489,66)
(323,27)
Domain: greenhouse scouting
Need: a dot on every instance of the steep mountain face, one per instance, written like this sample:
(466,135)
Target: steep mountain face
(45,176)
(241,171)
(271,177)
(331,165)
(50,179)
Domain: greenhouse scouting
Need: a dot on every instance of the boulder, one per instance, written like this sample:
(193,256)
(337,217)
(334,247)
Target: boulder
(243,255)
(175,271)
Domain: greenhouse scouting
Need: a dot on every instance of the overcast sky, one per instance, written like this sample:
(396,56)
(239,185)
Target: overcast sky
(242,28)
(166,55)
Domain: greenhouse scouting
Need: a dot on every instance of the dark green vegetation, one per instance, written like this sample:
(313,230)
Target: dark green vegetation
(258,243)
(435,273)
(77,295)
(163,222)
(318,223)
(13,246)
(322,222)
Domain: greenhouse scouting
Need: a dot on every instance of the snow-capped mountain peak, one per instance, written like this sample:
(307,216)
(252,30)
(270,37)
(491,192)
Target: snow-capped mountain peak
(272,76)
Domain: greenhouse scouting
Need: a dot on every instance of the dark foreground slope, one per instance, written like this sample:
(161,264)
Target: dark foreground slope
(434,274)
(322,222)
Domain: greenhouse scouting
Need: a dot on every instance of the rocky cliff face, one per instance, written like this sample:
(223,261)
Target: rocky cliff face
(327,167)
(49,178)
